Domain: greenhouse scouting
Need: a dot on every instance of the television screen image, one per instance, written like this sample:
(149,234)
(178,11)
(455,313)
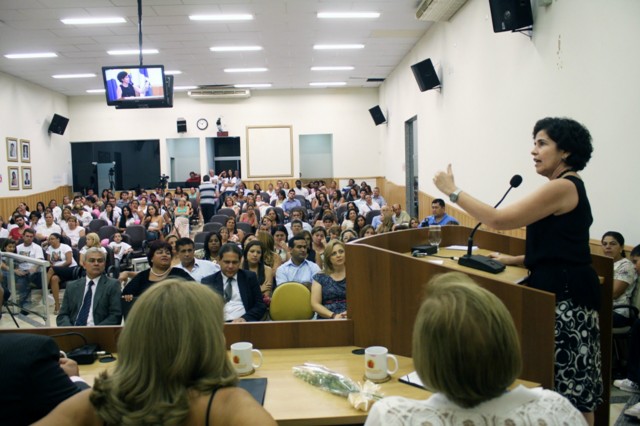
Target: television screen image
(126,84)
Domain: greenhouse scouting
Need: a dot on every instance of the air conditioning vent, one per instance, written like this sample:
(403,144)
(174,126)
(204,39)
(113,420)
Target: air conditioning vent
(220,93)
(438,10)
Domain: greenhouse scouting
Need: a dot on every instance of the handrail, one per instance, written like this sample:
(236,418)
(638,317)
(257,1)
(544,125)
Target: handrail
(42,266)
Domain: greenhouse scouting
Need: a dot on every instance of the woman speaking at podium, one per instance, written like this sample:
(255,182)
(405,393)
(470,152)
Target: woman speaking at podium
(557,217)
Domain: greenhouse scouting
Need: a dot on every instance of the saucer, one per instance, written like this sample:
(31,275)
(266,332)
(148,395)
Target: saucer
(377,381)
(248,373)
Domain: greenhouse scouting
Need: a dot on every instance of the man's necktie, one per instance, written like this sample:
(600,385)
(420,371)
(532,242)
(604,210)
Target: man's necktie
(86,307)
(228,290)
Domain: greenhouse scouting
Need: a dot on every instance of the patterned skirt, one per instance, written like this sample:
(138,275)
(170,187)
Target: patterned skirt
(577,356)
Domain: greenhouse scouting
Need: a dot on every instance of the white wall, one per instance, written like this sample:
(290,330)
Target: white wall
(582,63)
(343,113)
(26,111)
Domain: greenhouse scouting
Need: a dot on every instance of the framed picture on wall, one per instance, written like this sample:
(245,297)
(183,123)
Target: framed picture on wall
(12,149)
(25,151)
(13,177)
(26,178)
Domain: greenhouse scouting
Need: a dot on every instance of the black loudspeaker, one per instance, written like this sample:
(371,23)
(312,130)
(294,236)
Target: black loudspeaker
(510,15)
(425,75)
(58,124)
(182,126)
(377,115)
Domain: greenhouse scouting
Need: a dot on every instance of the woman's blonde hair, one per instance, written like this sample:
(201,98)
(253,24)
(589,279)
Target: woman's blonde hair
(172,343)
(328,250)
(92,239)
(465,344)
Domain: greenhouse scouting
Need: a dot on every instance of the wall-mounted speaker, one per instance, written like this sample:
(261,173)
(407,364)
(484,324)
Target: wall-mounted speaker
(425,75)
(377,115)
(182,125)
(58,124)
(510,15)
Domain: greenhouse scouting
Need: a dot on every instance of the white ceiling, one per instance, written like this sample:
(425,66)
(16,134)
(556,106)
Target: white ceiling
(286,29)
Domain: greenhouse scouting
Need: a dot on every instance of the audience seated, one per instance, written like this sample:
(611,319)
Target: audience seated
(298,268)
(161,376)
(211,248)
(368,205)
(47,228)
(291,203)
(438,216)
(197,268)
(297,214)
(120,249)
(27,272)
(240,288)
(624,276)
(92,240)
(62,267)
(400,216)
(93,299)
(329,287)
(253,261)
(466,351)
(73,231)
(348,235)
(160,268)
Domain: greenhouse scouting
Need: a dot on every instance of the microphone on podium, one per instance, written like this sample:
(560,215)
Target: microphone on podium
(484,263)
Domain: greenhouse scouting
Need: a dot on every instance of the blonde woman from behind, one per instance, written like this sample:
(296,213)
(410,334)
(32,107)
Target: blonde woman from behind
(172,369)
(466,351)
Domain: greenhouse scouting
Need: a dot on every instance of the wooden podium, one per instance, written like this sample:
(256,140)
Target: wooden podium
(386,287)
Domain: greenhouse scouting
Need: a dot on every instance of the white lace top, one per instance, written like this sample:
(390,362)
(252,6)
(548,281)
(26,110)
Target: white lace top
(521,406)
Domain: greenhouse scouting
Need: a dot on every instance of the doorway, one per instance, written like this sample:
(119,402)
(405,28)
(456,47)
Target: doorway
(411,165)
(316,156)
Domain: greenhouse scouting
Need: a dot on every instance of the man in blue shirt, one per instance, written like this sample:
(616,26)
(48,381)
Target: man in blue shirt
(439,217)
(291,203)
(298,268)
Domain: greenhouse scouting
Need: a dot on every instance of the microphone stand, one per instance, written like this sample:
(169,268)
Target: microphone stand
(484,263)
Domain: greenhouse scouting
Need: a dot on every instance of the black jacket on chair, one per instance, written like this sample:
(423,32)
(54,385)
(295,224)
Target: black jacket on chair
(249,292)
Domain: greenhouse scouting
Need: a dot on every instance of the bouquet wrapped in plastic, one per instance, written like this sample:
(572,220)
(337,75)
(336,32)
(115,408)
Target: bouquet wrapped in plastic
(360,396)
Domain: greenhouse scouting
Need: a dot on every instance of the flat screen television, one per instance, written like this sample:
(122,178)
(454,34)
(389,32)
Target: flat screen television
(133,86)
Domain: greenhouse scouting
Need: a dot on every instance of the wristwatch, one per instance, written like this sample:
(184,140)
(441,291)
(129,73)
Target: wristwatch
(453,197)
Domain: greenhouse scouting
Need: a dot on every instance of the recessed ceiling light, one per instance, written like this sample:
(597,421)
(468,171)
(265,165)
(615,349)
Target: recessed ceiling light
(173,72)
(255,85)
(245,69)
(86,75)
(235,48)
(31,55)
(348,15)
(93,21)
(95,90)
(328,83)
(222,17)
(132,52)
(180,88)
(337,46)
(345,68)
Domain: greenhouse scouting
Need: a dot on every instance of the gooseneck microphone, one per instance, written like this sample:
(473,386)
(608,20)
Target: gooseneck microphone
(484,263)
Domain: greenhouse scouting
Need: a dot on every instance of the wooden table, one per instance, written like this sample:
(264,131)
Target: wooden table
(292,401)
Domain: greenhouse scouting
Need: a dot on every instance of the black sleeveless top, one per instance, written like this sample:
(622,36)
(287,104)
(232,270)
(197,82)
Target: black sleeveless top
(128,92)
(558,255)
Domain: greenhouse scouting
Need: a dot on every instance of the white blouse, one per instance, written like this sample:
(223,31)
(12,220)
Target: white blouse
(519,407)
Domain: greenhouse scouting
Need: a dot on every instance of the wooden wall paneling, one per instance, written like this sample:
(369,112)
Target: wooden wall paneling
(8,204)
(291,334)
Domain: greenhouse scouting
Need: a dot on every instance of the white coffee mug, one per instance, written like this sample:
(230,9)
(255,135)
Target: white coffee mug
(376,363)
(242,357)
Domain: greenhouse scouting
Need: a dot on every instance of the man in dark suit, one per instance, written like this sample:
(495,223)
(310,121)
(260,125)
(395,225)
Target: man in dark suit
(94,299)
(239,288)
(33,378)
